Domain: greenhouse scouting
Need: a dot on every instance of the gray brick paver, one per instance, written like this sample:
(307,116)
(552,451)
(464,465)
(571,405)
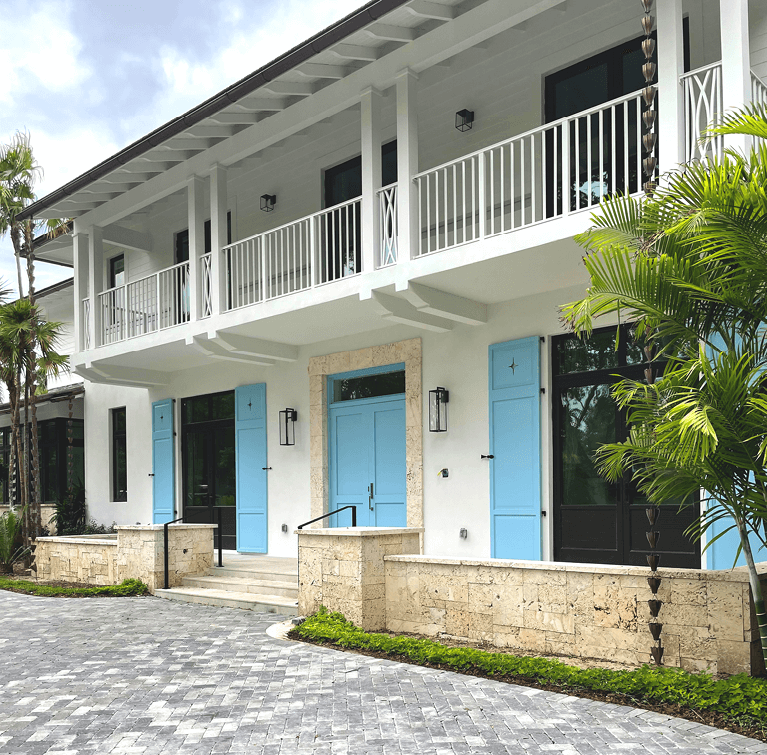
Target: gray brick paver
(146,676)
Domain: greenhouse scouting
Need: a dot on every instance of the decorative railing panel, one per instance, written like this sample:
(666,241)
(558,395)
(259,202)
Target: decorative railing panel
(702,91)
(145,305)
(206,285)
(550,171)
(389,228)
(86,324)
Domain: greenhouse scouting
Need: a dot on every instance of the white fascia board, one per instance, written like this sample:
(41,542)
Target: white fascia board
(471,28)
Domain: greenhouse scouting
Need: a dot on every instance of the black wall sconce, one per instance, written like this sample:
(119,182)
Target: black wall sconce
(268,201)
(288,419)
(438,400)
(464,120)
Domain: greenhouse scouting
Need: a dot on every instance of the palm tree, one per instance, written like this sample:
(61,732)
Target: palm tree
(18,173)
(27,346)
(689,267)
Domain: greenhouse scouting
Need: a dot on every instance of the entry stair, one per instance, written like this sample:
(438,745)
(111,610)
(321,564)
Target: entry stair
(254,583)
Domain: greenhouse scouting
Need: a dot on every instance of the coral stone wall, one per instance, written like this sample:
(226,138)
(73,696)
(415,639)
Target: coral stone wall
(578,610)
(136,552)
(88,560)
(343,569)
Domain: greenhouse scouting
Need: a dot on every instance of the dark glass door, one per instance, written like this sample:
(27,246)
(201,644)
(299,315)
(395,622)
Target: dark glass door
(596,521)
(208,463)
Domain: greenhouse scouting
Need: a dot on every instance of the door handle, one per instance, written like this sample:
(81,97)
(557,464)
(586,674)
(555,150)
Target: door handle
(370,496)
(487,456)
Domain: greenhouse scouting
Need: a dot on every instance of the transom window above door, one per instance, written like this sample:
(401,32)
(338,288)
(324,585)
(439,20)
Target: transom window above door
(351,387)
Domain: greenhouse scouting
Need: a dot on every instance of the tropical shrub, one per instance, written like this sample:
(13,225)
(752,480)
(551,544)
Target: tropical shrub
(11,548)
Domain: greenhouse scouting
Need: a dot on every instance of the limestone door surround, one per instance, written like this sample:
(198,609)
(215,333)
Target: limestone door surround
(320,367)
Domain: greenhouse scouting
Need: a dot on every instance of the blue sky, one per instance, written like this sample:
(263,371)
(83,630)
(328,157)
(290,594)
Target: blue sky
(87,77)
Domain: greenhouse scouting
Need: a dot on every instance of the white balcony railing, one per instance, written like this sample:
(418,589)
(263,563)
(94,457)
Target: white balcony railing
(550,171)
(702,91)
(143,306)
(389,228)
(758,90)
(317,249)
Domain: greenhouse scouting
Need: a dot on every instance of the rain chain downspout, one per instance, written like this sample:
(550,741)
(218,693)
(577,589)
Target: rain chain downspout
(649,164)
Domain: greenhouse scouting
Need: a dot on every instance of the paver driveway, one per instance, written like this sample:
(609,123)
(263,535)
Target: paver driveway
(144,675)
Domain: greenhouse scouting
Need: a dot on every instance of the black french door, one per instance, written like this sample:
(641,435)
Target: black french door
(208,463)
(596,521)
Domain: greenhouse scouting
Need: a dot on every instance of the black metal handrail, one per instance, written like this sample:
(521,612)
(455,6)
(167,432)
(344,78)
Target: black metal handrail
(330,513)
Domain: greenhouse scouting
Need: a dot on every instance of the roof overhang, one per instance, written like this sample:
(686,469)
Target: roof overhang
(235,108)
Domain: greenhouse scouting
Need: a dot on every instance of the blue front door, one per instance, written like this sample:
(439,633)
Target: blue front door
(250,452)
(515,442)
(367,461)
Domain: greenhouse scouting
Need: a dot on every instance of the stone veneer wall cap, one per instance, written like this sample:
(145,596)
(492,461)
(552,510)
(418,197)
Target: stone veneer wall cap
(738,574)
(360,531)
(77,540)
(159,527)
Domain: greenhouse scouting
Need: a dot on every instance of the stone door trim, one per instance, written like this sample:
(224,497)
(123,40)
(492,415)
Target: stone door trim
(320,367)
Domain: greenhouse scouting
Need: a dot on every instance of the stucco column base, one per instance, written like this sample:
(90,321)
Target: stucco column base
(343,569)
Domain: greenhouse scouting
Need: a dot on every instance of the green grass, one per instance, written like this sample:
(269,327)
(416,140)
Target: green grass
(738,697)
(126,588)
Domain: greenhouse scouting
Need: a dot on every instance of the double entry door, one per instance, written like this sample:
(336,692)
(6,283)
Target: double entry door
(209,470)
(367,461)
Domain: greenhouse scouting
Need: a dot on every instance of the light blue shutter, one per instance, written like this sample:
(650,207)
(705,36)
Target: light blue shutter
(515,442)
(163,462)
(250,429)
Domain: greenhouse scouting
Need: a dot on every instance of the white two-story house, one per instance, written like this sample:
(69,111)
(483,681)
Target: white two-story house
(336,283)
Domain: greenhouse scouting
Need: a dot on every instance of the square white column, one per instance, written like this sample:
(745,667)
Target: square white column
(407,164)
(736,62)
(80,259)
(670,57)
(218,238)
(370,106)
(196,217)
(95,282)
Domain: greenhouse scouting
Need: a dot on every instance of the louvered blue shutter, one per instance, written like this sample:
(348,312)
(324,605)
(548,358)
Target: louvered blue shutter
(250,429)
(515,443)
(163,462)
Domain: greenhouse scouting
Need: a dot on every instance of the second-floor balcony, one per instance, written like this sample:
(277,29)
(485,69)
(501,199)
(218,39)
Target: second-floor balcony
(560,168)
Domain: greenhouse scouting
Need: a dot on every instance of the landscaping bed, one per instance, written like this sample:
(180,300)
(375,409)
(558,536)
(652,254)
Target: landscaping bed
(128,587)
(735,703)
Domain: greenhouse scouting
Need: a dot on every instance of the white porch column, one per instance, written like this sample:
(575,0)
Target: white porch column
(736,62)
(95,281)
(371,177)
(196,213)
(81,323)
(407,164)
(218,206)
(670,58)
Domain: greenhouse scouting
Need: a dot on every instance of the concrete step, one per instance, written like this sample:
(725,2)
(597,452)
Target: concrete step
(257,567)
(226,599)
(248,584)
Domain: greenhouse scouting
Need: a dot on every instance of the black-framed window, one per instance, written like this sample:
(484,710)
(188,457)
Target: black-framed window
(181,240)
(5,461)
(119,455)
(596,521)
(600,78)
(117,271)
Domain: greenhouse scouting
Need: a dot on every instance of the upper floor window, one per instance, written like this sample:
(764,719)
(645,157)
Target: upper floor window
(600,78)
(117,271)
(181,240)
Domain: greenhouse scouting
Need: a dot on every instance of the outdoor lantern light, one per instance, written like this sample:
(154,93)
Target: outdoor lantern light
(438,410)
(464,119)
(268,201)
(288,418)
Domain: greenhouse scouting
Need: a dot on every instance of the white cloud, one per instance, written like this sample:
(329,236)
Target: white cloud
(40,50)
